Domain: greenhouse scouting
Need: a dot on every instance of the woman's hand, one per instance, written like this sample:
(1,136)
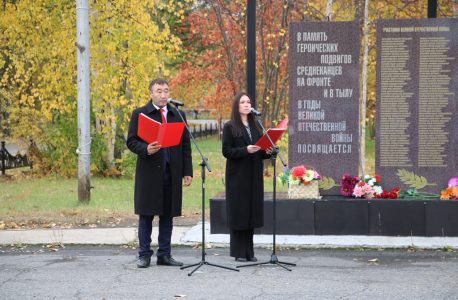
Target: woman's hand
(252,149)
(269,150)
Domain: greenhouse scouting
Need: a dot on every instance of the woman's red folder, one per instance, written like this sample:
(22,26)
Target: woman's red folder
(274,134)
(166,135)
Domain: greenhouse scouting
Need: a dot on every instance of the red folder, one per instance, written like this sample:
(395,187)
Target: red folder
(166,135)
(274,134)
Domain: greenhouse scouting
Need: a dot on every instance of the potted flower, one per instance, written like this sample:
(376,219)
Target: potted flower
(303,182)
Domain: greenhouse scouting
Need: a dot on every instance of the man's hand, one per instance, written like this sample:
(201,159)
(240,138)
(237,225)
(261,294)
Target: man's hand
(153,148)
(252,149)
(187,180)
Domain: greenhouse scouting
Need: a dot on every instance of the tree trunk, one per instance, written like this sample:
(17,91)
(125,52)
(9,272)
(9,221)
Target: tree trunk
(362,138)
(455,8)
(329,10)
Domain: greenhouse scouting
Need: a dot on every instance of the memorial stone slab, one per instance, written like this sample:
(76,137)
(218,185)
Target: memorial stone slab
(324,99)
(416,118)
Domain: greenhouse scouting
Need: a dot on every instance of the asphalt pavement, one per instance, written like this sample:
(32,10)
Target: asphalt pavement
(110,272)
(100,263)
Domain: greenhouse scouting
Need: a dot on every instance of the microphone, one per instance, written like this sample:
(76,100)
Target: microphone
(253,111)
(175,102)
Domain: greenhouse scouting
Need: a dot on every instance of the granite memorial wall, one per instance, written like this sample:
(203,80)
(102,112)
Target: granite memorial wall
(324,99)
(416,107)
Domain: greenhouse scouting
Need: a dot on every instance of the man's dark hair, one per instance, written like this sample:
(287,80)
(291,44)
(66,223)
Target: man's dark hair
(236,121)
(158,81)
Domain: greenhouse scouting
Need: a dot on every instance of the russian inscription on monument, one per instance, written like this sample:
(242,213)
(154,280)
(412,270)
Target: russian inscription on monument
(323,99)
(416,119)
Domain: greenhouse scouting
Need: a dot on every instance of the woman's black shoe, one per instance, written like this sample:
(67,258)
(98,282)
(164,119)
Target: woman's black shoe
(242,259)
(252,259)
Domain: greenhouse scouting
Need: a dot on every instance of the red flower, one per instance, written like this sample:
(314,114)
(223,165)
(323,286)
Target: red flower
(384,194)
(377,178)
(395,190)
(393,195)
(298,172)
(362,183)
(305,182)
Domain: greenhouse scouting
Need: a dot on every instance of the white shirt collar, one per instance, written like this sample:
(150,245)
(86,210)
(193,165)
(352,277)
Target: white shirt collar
(157,107)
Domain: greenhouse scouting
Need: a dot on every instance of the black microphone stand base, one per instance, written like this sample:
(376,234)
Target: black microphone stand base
(273,260)
(200,264)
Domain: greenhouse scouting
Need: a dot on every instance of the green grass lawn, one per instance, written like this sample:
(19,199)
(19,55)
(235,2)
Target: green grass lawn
(55,200)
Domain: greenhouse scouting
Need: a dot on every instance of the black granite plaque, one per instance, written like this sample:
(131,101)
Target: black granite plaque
(323,99)
(416,119)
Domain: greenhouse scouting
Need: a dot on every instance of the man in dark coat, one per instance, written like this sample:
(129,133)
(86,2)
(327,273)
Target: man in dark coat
(158,176)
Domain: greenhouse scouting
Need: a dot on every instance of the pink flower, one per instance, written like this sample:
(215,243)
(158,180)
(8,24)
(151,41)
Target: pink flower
(367,189)
(316,175)
(358,191)
(453,182)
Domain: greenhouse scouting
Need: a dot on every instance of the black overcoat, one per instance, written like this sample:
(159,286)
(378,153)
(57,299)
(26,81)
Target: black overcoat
(149,171)
(244,180)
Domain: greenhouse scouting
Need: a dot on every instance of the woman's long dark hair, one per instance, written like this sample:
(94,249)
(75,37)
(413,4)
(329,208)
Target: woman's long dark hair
(236,121)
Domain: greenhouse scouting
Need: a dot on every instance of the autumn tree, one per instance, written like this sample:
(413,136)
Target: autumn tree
(219,27)
(38,69)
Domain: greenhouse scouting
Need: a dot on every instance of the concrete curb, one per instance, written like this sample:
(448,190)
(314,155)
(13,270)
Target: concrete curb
(191,236)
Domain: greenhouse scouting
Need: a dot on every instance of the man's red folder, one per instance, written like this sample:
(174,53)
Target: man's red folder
(166,135)
(274,133)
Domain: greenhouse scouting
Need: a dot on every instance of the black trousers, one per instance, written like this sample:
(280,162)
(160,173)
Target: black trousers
(241,243)
(145,225)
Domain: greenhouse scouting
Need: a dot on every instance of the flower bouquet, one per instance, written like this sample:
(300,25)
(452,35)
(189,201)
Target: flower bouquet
(451,192)
(303,182)
(367,187)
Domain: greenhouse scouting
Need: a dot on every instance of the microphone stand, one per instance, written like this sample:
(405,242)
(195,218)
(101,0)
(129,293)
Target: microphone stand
(203,164)
(273,257)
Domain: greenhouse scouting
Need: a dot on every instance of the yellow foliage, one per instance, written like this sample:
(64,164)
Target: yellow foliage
(38,65)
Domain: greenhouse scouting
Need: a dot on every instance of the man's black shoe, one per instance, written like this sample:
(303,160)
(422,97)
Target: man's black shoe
(144,262)
(168,261)
(242,259)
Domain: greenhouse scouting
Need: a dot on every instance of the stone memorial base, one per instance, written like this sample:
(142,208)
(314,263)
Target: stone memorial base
(338,215)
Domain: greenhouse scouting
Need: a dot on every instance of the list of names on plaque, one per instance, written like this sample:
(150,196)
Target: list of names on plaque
(416,107)
(394,141)
(433,99)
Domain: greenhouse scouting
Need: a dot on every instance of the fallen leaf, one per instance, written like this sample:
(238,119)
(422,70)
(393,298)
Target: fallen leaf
(54,249)
(179,296)
(373,260)
(2,226)
(216,254)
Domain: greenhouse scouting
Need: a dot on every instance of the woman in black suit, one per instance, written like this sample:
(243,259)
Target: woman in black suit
(244,178)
